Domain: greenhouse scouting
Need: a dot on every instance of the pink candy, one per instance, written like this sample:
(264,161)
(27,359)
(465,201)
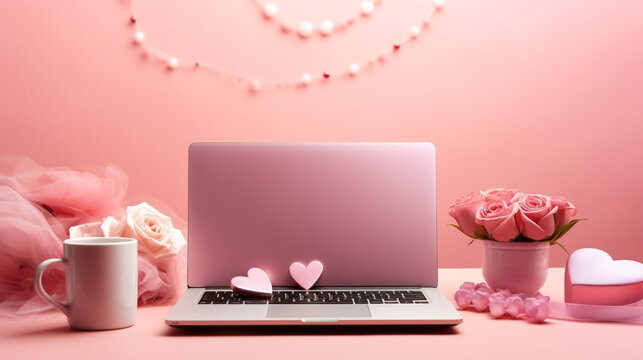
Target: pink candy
(481,297)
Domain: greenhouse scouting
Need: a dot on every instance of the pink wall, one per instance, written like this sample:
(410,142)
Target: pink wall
(545,96)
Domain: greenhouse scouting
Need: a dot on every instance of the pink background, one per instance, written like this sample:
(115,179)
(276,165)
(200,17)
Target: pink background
(545,96)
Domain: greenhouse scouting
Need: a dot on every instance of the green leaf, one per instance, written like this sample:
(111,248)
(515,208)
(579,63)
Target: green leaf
(476,235)
(563,229)
(555,234)
(554,242)
(481,236)
(459,228)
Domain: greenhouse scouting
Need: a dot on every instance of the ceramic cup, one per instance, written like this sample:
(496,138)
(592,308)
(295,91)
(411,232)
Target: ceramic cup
(101,282)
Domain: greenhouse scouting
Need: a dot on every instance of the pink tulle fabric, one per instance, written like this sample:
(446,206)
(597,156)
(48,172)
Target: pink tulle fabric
(160,283)
(38,206)
(72,197)
(28,235)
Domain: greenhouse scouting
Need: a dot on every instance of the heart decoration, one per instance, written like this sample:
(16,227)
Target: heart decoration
(306,276)
(257,283)
(592,277)
(596,267)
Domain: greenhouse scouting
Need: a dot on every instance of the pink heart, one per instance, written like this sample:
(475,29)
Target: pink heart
(306,276)
(257,283)
(594,278)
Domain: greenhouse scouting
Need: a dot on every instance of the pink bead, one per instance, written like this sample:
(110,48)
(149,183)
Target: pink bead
(537,310)
(481,297)
(483,287)
(515,306)
(467,288)
(463,298)
(498,297)
(287,26)
(543,298)
(468,284)
(496,307)
(480,300)
(523,296)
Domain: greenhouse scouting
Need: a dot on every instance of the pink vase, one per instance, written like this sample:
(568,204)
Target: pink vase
(521,267)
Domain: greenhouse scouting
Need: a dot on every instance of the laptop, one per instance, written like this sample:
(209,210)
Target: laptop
(366,211)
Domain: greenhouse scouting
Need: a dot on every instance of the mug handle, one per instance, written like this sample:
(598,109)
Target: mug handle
(37,282)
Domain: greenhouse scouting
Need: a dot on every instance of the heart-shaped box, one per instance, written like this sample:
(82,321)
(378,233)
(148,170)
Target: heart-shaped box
(592,277)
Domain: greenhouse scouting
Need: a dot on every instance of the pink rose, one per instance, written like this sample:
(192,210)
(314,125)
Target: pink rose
(464,212)
(499,220)
(536,218)
(508,195)
(565,210)
(153,230)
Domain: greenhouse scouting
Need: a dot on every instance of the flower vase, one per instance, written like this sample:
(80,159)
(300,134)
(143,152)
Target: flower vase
(520,267)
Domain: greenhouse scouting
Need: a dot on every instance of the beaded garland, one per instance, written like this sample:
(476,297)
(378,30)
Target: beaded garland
(305,30)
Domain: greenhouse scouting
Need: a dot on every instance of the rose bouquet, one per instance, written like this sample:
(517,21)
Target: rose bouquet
(510,215)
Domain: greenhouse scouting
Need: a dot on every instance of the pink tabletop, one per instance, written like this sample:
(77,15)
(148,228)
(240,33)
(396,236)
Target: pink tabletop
(478,337)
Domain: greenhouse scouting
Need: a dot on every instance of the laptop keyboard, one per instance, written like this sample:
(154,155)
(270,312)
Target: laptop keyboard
(319,297)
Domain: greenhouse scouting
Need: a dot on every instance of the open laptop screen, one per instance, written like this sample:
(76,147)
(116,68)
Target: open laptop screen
(365,210)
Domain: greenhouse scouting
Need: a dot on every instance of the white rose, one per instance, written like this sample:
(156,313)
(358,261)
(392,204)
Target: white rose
(110,227)
(153,230)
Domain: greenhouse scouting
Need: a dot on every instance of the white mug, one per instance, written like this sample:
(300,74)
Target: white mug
(101,282)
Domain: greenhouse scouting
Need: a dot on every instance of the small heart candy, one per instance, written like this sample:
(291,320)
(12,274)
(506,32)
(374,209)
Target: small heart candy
(257,283)
(306,276)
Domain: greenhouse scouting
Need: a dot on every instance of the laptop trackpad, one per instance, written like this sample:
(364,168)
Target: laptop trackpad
(318,311)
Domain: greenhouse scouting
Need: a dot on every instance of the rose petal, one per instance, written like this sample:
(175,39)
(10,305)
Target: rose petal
(507,195)
(112,227)
(565,210)
(86,230)
(499,220)
(540,230)
(464,212)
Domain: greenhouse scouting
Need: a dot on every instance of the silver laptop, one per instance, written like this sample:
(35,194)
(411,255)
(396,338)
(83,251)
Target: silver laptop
(367,211)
